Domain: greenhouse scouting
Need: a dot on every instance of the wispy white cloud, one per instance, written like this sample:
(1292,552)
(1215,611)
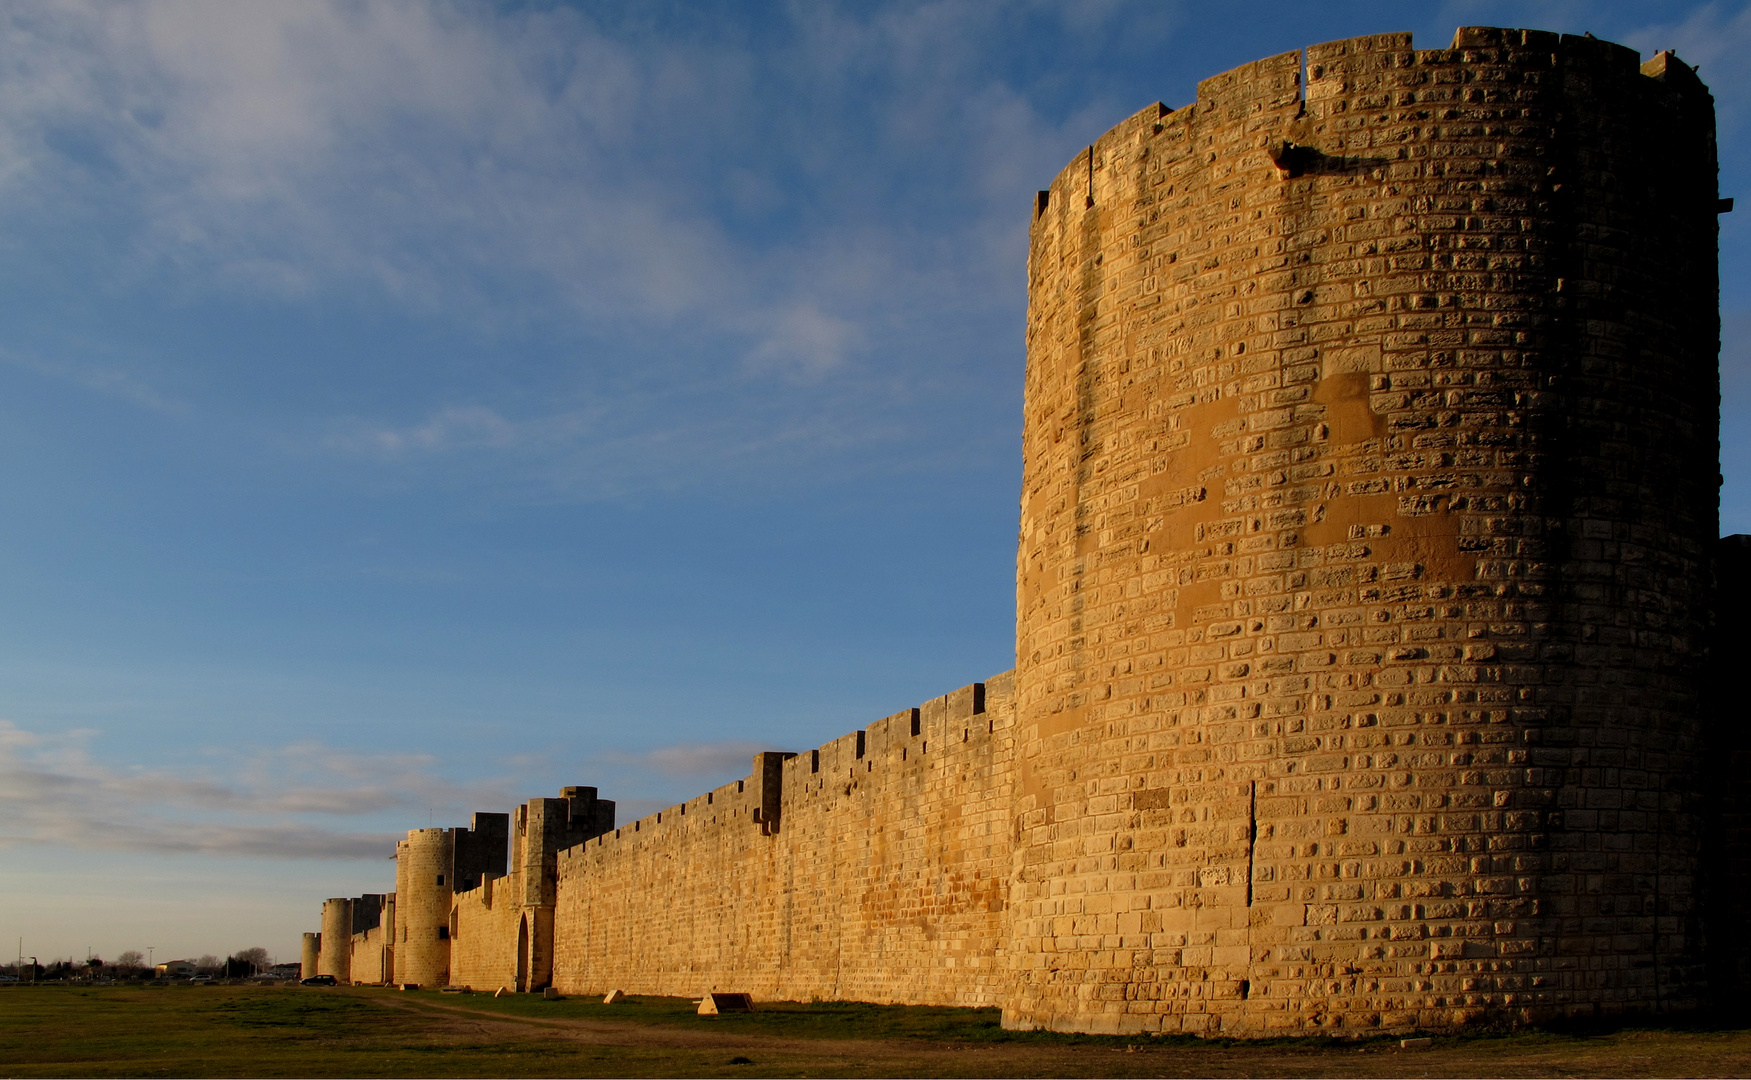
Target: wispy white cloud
(806,343)
(275,803)
(305,800)
(693,760)
(112,380)
(604,451)
(455,428)
(320,146)
(493,168)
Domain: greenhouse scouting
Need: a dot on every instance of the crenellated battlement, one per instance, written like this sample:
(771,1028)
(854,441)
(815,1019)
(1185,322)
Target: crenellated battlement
(1328,97)
(783,780)
(748,883)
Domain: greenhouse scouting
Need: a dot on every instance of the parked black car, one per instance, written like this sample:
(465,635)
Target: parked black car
(318,980)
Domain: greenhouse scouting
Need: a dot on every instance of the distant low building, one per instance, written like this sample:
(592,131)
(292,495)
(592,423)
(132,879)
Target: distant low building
(175,969)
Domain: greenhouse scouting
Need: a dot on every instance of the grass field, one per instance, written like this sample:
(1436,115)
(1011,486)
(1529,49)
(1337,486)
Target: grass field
(359,1031)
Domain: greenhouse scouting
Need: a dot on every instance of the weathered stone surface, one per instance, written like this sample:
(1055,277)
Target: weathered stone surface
(373,921)
(308,956)
(334,955)
(423,876)
(873,868)
(1362,588)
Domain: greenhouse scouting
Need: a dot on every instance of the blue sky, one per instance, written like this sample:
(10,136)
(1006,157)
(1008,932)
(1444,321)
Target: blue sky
(409,408)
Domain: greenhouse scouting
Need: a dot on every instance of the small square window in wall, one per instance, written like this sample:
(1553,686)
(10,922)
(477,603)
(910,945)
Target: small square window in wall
(440,879)
(443,933)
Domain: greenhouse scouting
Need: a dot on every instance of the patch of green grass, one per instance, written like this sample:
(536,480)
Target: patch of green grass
(285,1012)
(359,1031)
(293,1031)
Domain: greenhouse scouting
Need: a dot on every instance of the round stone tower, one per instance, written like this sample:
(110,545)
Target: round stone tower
(308,956)
(1370,477)
(335,952)
(423,891)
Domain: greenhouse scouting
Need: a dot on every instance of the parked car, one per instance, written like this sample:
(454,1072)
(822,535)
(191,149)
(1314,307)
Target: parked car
(200,978)
(318,980)
(8,979)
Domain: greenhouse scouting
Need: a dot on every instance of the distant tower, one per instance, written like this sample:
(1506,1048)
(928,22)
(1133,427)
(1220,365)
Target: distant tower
(431,866)
(424,882)
(307,957)
(336,950)
(1370,483)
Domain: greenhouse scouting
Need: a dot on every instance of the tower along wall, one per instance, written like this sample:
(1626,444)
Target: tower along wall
(309,952)
(424,884)
(1370,469)
(334,950)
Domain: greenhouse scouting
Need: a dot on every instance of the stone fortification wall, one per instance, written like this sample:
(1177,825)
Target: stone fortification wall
(480,850)
(1369,483)
(485,949)
(372,956)
(501,927)
(873,869)
(1363,609)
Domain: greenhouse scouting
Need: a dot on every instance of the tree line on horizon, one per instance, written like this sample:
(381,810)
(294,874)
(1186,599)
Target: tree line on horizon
(131,964)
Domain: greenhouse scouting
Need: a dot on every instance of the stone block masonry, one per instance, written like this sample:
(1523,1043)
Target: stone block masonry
(424,885)
(308,957)
(1370,485)
(502,930)
(873,868)
(1364,586)
(371,956)
(334,956)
